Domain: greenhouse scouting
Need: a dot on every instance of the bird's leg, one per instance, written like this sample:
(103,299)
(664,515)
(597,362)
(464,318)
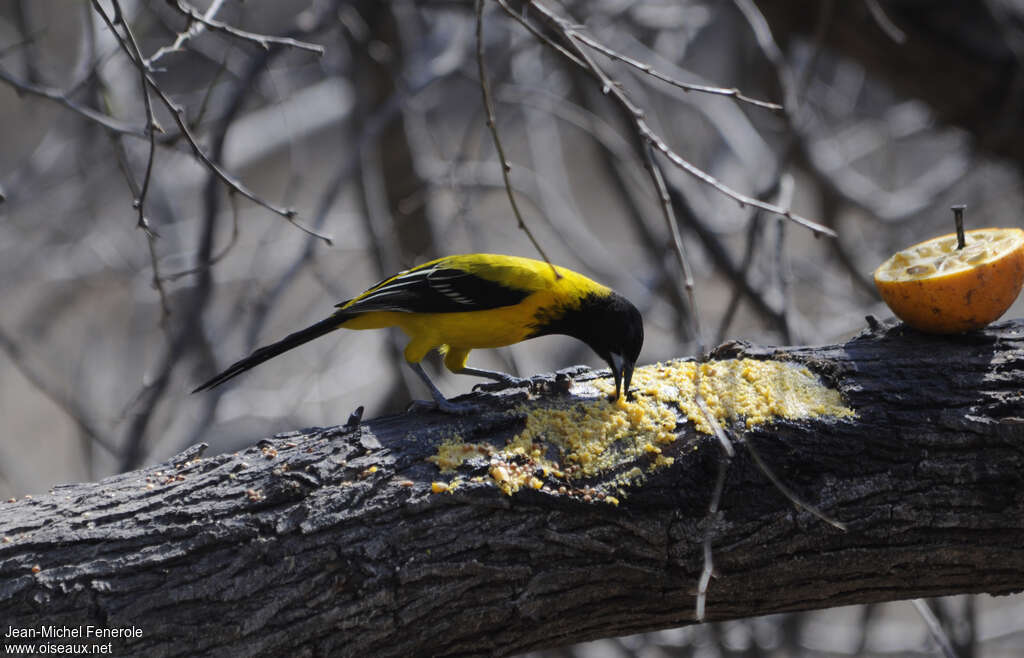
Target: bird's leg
(442,403)
(455,361)
(504,380)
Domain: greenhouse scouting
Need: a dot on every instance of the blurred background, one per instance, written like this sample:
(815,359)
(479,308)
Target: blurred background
(131,271)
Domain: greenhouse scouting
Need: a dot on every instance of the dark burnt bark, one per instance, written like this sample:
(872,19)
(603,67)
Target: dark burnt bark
(329,541)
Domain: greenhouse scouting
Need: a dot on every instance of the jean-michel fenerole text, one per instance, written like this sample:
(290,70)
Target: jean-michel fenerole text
(89,632)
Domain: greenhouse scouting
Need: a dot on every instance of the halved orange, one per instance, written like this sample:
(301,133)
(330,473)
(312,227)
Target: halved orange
(937,288)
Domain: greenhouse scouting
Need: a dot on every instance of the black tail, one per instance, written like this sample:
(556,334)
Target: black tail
(270,351)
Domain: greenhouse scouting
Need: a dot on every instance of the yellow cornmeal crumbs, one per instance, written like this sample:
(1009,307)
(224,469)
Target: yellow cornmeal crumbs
(596,436)
(751,389)
(593,437)
(453,452)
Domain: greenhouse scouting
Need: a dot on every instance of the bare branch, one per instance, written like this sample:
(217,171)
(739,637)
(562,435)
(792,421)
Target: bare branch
(935,630)
(193,29)
(151,123)
(644,67)
(233,183)
(198,21)
(151,235)
(708,568)
(178,113)
(677,242)
(571,36)
(884,22)
(485,89)
(60,97)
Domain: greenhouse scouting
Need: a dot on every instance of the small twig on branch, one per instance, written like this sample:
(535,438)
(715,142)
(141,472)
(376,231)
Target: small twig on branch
(646,68)
(935,629)
(787,492)
(151,235)
(492,124)
(151,123)
(178,113)
(193,29)
(884,22)
(231,182)
(711,520)
(200,20)
(610,87)
(677,242)
(60,97)
(694,316)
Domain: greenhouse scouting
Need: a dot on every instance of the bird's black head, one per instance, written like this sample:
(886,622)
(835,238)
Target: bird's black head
(618,338)
(611,326)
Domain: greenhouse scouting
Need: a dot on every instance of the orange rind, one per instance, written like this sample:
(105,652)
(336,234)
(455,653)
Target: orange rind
(937,288)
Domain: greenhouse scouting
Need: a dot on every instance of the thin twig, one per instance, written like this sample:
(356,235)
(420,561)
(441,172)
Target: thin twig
(677,242)
(193,29)
(151,235)
(492,124)
(178,113)
(646,68)
(716,427)
(935,629)
(288,213)
(618,154)
(782,274)
(885,23)
(151,123)
(614,89)
(787,492)
(540,36)
(711,520)
(694,316)
(60,97)
(721,257)
(263,40)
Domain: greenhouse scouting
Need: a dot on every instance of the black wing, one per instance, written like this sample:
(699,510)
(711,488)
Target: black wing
(434,288)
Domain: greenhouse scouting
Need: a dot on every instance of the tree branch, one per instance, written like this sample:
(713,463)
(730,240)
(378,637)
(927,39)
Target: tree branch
(332,541)
(61,98)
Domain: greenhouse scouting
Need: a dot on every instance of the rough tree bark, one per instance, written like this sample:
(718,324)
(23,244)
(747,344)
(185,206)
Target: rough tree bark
(330,541)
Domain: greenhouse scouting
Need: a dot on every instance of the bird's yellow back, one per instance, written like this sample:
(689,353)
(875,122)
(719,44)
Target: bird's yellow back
(512,272)
(541,291)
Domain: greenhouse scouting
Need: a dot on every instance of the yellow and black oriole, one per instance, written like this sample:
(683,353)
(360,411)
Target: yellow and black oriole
(460,303)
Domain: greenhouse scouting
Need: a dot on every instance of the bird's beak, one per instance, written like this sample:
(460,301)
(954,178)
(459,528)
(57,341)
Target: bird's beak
(627,375)
(622,370)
